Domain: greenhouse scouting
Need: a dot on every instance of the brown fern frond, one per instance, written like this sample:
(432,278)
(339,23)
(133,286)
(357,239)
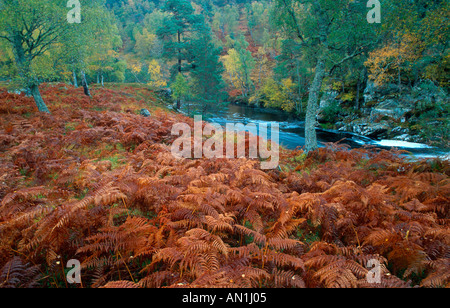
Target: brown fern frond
(159,279)
(441,234)
(337,277)
(388,281)
(286,279)
(16,274)
(244,276)
(440,274)
(383,238)
(280,244)
(24,194)
(283,259)
(215,279)
(120,285)
(221,224)
(258,238)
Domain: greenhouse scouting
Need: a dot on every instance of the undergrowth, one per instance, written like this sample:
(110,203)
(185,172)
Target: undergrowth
(96,182)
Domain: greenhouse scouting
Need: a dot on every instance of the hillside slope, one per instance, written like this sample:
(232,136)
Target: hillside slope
(96,182)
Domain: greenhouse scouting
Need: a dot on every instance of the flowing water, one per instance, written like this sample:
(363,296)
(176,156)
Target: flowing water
(292,131)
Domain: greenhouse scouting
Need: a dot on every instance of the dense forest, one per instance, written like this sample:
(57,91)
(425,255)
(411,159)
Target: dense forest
(90,91)
(278,54)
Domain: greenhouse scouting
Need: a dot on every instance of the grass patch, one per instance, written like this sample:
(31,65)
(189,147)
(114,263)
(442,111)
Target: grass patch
(116,161)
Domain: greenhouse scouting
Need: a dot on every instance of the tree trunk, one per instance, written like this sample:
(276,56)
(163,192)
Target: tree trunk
(85,84)
(299,87)
(362,82)
(38,99)
(311,112)
(179,65)
(75,81)
(179,52)
(19,54)
(260,75)
(314,91)
(103,83)
(23,64)
(358,92)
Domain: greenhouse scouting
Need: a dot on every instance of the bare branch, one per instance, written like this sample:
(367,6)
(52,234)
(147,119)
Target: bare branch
(294,19)
(356,53)
(6,38)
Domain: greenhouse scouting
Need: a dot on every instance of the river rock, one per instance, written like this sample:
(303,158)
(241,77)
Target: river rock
(369,92)
(396,131)
(404,137)
(427,94)
(165,93)
(367,129)
(372,130)
(390,108)
(328,98)
(145,113)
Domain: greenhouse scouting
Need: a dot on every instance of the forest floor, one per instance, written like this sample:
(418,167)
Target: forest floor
(96,182)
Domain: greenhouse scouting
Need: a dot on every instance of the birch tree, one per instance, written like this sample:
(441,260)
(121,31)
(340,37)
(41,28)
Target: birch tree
(32,28)
(325,29)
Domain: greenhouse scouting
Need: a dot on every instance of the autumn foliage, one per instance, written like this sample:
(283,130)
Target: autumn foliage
(95,181)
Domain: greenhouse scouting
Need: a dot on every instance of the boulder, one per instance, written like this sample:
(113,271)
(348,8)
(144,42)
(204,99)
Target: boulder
(165,93)
(369,92)
(372,130)
(367,128)
(404,137)
(399,131)
(145,113)
(328,98)
(391,108)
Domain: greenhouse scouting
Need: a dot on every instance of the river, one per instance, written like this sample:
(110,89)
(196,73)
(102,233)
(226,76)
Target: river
(292,131)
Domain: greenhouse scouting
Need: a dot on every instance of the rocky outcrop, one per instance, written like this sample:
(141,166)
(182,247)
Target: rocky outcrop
(328,98)
(386,111)
(390,108)
(368,129)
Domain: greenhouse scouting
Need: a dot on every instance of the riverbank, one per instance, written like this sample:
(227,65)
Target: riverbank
(418,114)
(292,135)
